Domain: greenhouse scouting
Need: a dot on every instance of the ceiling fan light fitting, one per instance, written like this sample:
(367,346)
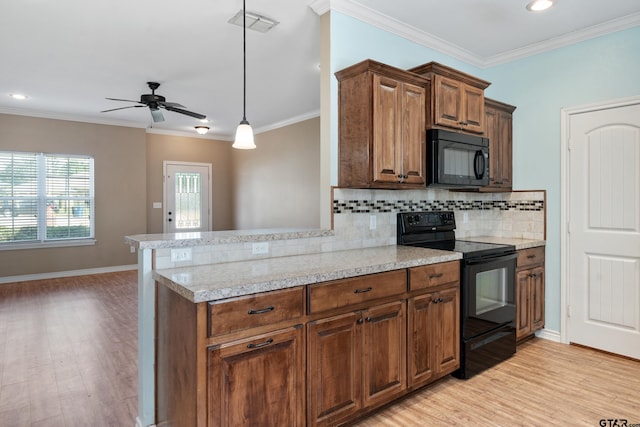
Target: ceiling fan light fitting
(244,136)
(540,5)
(202,130)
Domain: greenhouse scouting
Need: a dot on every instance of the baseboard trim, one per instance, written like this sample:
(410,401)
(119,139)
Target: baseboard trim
(71,273)
(549,335)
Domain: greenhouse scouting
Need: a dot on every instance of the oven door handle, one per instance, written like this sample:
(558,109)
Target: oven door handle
(491,259)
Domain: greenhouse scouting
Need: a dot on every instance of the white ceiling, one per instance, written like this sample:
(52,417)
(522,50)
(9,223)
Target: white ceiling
(69,55)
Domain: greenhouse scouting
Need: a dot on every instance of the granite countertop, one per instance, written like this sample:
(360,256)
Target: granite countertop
(220,281)
(518,243)
(181,240)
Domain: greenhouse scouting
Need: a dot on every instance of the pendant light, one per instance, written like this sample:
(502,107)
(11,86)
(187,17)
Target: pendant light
(244,133)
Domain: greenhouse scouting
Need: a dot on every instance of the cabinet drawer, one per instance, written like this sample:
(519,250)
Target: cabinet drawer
(255,310)
(428,276)
(342,293)
(530,256)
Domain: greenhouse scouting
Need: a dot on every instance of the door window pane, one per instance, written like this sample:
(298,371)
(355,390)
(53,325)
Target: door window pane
(188,210)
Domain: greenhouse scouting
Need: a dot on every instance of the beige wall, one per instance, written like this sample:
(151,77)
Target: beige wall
(278,183)
(198,150)
(119,158)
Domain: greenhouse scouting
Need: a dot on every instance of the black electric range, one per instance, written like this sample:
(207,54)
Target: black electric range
(435,230)
(487,288)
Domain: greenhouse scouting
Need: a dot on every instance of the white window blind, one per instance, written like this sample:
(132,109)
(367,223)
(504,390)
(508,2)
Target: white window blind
(45,198)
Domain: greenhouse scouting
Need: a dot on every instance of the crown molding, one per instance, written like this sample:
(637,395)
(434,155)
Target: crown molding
(146,126)
(592,32)
(70,117)
(391,25)
(291,121)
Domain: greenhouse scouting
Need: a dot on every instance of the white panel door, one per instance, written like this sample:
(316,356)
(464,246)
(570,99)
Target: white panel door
(604,230)
(186,201)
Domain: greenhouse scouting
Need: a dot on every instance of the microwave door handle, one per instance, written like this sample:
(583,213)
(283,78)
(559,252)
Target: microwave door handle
(478,164)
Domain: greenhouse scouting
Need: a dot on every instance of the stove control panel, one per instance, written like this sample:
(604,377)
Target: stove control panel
(417,221)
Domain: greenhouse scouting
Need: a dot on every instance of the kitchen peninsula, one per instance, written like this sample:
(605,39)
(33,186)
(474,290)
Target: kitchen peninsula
(309,297)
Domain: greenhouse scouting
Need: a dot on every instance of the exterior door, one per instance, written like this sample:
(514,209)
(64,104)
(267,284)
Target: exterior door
(603,245)
(186,197)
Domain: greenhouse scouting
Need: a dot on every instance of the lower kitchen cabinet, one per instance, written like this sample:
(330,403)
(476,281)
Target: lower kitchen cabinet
(323,354)
(529,292)
(258,381)
(355,360)
(434,335)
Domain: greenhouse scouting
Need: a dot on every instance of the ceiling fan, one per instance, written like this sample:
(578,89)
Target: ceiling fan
(155,103)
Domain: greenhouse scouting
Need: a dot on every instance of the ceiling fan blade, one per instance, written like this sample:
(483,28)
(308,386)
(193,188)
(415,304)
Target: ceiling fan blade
(172,104)
(125,100)
(188,113)
(156,114)
(122,108)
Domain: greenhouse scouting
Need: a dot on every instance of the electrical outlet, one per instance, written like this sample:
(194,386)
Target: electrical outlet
(373,222)
(260,248)
(181,254)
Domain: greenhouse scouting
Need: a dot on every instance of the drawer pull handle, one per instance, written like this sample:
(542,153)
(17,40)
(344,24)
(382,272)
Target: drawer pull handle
(362,291)
(262,310)
(531,256)
(262,344)
(436,276)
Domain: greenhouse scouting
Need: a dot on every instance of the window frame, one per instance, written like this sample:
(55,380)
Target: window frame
(42,199)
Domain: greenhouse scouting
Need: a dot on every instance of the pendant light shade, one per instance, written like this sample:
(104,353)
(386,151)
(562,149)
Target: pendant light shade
(244,133)
(244,136)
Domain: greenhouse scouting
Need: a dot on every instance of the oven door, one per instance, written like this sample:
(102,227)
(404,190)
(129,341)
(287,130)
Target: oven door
(488,294)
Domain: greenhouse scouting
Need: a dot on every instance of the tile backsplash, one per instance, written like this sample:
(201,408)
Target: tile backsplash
(515,215)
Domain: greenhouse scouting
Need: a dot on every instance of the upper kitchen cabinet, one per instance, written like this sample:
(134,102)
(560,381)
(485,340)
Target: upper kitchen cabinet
(457,99)
(498,128)
(382,125)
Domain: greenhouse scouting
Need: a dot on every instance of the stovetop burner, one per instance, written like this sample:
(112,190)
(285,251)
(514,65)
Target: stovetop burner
(435,230)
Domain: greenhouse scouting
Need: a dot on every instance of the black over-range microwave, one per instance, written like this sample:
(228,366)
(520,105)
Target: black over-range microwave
(456,160)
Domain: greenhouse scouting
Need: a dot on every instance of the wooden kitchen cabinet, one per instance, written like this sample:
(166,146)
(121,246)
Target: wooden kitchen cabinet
(234,362)
(355,361)
(498,128)
(382,127)
(433,335)
(456,98)
(258,381)
(529,292)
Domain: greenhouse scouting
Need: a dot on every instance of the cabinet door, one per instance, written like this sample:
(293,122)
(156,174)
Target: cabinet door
(447,324)
(491,126)
(334,366)
(386,129)
(473,109)
(523,310)
(384,355)
(504,159)
(447,102)
(258,381)
(420,339)
(413,133)
(537,298)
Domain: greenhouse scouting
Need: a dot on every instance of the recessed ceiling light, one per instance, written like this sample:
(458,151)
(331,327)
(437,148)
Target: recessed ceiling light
(205,120)
(540,5)
(18,96)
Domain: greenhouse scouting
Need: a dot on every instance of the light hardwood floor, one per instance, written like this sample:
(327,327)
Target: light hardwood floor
(68,358)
